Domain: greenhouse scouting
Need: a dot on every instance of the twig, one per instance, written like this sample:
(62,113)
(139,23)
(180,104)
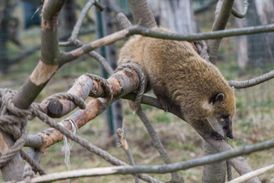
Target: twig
(159,169)
(80,20)
(102,61)
(33,163)
(156,141)
(124,144)
(252,174)
(252,82)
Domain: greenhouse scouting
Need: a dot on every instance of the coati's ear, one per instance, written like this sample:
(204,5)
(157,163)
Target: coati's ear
(219,97)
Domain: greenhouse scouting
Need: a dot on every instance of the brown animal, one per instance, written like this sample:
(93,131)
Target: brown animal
(182,79)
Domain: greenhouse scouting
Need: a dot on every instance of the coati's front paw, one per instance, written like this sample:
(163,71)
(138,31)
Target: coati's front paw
(216,136)
(164,104)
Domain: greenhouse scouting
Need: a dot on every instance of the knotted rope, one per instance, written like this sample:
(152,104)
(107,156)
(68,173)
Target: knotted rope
(13,122)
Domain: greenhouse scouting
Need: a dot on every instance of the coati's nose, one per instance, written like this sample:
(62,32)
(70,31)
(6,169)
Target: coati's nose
(229,134)
(228,128)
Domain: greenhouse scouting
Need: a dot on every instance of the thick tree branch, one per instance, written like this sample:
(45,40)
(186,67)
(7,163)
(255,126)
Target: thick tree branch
(57,107)
(39,77)
(47,65)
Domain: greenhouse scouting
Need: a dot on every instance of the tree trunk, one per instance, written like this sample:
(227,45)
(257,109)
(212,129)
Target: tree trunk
(68,18)
(142,13)
(250,47)
(242,51)
(265,10)
(4,18)
(171,13)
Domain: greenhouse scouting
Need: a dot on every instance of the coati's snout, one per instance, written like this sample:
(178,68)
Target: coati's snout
(227,126)
(224,110)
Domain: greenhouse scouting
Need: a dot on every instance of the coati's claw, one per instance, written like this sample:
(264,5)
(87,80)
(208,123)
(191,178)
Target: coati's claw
(163,104)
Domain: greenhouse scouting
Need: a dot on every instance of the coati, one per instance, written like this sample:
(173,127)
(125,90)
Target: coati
(180,77)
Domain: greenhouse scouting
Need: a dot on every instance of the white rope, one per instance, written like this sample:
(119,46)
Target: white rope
(67,144)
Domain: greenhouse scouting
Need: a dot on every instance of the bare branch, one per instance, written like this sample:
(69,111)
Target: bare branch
(252,82)
(86,48)
(202,36)
(80,20)
(101,60)
(124,144)
(67,57)
(156,141)
(159,169)
(252,174)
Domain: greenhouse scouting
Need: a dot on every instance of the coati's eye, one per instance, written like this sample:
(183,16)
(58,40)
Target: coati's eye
(224,119)
(219,97)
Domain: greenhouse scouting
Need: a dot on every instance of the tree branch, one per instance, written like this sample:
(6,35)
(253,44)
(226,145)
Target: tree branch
(86,48)
(84,12)
(252,174)
(44,70)
(252,82)
(159,169)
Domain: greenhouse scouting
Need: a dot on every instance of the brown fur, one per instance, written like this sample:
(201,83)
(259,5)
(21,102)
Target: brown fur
(180,77)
